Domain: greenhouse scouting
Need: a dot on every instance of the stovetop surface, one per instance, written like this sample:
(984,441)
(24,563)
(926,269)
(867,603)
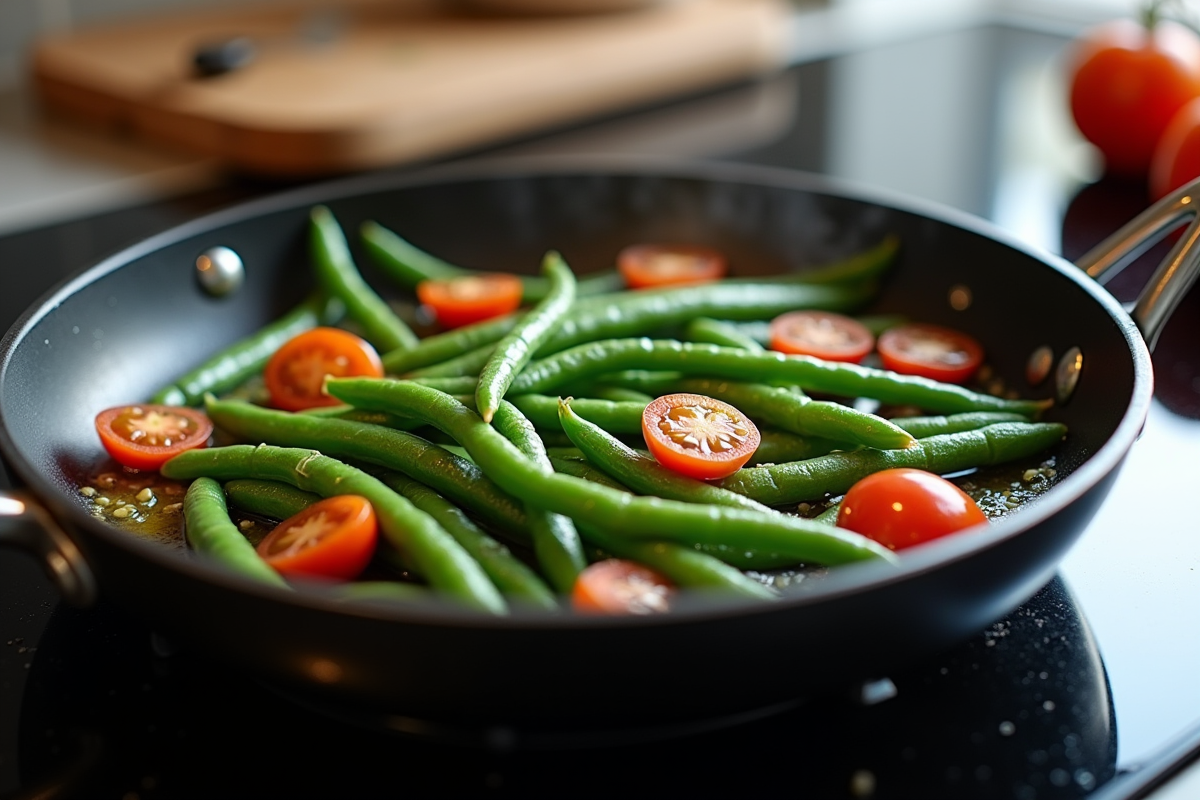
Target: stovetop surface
(1091,678)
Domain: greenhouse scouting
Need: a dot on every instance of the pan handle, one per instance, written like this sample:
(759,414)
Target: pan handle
(1173,277)
(25,524)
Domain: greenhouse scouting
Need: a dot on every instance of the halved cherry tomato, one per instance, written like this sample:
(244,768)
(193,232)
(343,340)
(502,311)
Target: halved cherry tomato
(822,334)
(648,265)
(902,507)
(621,587)
(930,351)
(146,436)
(295,375)
(698,436)
(472,298)
(333,538)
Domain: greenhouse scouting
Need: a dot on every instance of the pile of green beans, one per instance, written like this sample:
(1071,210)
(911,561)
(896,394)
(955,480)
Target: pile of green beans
(453,451)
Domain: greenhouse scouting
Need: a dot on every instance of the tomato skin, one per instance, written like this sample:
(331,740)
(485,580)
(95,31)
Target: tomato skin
(670,419)
(130,433)
(821,334)
(646,266)
(342,532)
(1127,83)
(930,351)
(1177,157)
(615,586)
(461,301)
(295,374)
(903,507)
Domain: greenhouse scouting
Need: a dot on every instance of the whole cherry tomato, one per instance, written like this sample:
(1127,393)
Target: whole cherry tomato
(1127,81)
(1177,156)
(902,507)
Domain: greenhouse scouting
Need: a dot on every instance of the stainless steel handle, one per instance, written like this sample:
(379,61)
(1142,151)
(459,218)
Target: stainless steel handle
(26,524)
(1173,277)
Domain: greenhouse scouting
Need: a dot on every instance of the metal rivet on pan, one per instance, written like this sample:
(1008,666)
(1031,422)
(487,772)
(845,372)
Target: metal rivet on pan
(960,297)
(1067,374)
(1039,364)
(220,271)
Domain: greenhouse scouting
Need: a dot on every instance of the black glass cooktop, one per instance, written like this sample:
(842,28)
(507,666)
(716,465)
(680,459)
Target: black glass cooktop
(1066,697)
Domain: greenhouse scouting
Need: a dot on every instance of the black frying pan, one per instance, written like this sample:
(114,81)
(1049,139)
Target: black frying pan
(135,321)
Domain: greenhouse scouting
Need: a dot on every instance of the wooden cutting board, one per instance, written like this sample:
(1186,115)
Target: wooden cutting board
(367,83)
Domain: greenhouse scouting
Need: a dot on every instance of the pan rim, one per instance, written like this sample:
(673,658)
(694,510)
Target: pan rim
(846,580)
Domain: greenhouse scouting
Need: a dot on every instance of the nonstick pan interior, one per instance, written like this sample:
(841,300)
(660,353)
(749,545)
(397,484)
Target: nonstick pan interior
(134,322)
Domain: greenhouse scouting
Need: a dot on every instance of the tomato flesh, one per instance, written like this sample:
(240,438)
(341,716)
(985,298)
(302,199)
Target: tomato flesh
(295,374)
(930,351)
(821,334)
(645,266)
(146,436)
(616,586)
(473,298)
(698,436)
(903,507)
(333,539)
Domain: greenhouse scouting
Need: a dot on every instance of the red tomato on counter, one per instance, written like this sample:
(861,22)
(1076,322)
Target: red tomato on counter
(1127,82)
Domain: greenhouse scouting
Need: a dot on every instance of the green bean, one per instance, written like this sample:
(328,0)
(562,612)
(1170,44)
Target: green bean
(449,475)
(466,365)
(642,473)
(386,592)
(461,384)
(555,540)
(837,472)
(518,346)
(868,265)
(235,364)
(830,515)
(444,346)
(640,312)
(615,394)
(338,275)
(509,573)
(760,331)
(574,463)
(409,265)
(614,417)
(776,446)
(211,533)
(780,407)
(268,498)
(623,514)
(684,566)
(829,377)
(713,331)
(440,559)
(352,414)
(923,427)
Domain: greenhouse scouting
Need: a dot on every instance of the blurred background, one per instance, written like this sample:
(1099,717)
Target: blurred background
(53,168)
(108,134)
